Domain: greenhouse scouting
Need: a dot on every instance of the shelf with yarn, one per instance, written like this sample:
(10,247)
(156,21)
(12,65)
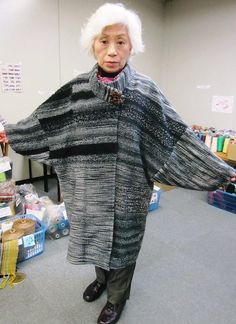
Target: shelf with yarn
(222,142)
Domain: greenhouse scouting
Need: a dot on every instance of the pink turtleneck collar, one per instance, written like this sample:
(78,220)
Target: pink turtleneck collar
(106,77)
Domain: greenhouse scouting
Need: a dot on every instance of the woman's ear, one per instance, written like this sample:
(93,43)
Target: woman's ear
(92,48)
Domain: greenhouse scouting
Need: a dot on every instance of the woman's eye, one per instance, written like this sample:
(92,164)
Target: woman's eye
(121,42)
(103,41)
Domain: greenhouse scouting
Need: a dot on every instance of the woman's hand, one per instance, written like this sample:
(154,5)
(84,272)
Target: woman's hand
(233,179)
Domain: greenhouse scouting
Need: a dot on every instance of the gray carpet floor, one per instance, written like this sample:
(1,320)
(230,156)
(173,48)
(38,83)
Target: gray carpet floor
(185,274)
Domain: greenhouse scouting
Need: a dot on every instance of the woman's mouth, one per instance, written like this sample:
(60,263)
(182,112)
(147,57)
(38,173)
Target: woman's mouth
(110,63)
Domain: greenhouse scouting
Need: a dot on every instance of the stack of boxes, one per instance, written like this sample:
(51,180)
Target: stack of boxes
(10,200)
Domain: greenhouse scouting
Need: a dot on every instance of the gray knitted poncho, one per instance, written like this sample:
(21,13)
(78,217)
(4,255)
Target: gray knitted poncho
(108,143)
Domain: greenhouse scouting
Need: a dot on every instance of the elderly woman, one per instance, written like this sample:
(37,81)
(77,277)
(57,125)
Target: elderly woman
(110,134)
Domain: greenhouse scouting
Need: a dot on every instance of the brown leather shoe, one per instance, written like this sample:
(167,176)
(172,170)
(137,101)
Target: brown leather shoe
(93,291)
(110,314)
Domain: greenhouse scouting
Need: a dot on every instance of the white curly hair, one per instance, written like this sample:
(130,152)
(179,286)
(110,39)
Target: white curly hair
(110,14)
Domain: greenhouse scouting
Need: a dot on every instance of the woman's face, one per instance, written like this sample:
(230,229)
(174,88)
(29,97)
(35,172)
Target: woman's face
(112,48)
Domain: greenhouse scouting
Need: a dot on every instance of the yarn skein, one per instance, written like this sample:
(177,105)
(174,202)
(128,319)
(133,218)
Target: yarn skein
(12,234)
(27,225)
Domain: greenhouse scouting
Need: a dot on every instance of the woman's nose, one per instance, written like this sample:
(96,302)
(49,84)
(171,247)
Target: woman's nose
(112,50)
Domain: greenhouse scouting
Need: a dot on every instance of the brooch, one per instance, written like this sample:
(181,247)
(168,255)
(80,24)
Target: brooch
(116,98)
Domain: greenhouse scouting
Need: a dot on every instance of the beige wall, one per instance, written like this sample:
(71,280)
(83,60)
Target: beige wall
(200,49)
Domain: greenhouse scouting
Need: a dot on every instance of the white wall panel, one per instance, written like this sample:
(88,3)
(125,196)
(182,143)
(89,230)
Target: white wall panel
(200,50)
(29,34)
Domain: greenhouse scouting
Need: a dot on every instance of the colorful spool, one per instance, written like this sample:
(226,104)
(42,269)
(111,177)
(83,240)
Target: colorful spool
(220,143)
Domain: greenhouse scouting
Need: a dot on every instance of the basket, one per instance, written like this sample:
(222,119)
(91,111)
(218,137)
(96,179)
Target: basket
(33,244)
(223,200)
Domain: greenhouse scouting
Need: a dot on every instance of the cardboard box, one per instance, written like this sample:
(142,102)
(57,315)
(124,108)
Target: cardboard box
(231,152)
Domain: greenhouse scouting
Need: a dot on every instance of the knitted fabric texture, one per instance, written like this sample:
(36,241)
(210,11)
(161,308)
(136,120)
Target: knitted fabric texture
(108,143)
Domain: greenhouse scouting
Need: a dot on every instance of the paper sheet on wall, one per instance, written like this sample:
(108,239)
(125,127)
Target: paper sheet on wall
(223,104)
(11,77)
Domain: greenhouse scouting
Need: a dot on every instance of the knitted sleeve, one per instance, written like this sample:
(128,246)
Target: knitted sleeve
(175,156)
(192,165)
(28,138)
(31,136)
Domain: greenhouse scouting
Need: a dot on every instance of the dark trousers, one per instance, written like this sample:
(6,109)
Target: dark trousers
(118,282)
